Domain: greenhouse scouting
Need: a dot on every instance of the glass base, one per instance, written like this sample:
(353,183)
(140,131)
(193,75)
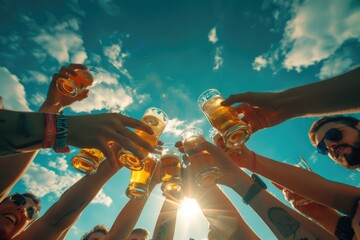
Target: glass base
(67,87)
(137,191)
(128,160)
(171,186)
(208,177)
(84,165)
(236,135)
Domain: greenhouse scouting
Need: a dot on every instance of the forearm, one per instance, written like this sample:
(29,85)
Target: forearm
(326,216)
(13,167)
(165,224)
(282,220)
(339,94)
(335,195)
(223,215)
(123,225)
(20,131)
(68,208)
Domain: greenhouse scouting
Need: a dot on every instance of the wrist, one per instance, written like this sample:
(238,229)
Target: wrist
(289,105)
(50,107)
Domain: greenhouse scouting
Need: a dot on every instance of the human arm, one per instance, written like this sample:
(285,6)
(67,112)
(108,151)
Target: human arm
(283,221)
(165,224)
(339,94)
(67,209)
(123,225)
(13,167)
(335,195)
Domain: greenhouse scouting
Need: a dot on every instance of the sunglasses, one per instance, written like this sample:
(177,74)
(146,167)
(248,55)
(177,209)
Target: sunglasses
(333,135)
(19,200)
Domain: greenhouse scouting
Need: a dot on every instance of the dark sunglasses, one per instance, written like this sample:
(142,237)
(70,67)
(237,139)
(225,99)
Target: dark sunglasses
(20,200)
(332,134)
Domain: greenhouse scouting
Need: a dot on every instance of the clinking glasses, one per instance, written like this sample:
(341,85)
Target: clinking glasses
(332,134)
(20,200)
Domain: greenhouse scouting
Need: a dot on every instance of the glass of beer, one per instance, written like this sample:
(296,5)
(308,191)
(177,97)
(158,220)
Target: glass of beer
(73,85)
(224,118)
(170,169)
(87,160)
(139,180)
(157,120)
(206,173)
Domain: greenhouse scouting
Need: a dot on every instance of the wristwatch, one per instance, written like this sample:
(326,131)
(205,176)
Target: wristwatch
(254,189)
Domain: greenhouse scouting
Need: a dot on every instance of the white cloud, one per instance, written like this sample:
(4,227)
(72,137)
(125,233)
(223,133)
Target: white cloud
(59,164)
(62,42)
(109,7)
(37,99)
(259,63)
(317,29)
(12,91)
(212,35)
(35,76)
(176,126)
(79,57)
(43,181)
(117,58)
(103,97)
(218,59)
(335,65)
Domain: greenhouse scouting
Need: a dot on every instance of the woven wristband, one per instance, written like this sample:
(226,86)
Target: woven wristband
(50,131)
(61,138)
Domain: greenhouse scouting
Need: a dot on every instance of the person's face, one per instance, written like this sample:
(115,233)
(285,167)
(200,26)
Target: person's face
(137,236)
(97,236)
(14,218)
(346,151)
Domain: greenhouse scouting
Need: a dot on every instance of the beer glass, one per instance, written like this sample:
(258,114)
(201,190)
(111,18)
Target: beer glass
(206,173)
(157,120)
(170,169)
(218,140)
(139,180)
(224,118)
(73,85)
(87,160)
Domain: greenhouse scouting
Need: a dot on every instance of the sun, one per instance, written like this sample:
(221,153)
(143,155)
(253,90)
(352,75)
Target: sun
(189,208)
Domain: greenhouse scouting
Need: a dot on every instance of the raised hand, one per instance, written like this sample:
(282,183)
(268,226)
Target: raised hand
(54,99)
(98,130)
(260,110)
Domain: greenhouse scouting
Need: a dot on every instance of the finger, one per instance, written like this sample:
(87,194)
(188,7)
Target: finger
(110,155)
(236,98)
(136,139)
(67,71)
(77,66)
(82,95)
(134,123)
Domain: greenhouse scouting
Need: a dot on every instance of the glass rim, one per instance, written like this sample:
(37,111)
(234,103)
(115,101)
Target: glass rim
(188,130)
(200,102)
(158,110)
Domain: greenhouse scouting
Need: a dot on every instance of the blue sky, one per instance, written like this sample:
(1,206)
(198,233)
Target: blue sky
(164,54)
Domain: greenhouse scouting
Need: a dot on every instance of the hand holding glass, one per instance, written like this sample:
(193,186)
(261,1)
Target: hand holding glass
(206,173)
(224,118)
(84,79)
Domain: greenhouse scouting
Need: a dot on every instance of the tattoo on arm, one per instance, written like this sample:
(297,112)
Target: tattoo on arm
(162,231)
(20,139)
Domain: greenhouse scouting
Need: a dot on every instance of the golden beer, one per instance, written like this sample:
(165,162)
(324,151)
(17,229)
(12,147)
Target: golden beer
(139,180)
(73,85)
(170,173)
(157,120)
(87,160)
(202,164)
(224,118)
